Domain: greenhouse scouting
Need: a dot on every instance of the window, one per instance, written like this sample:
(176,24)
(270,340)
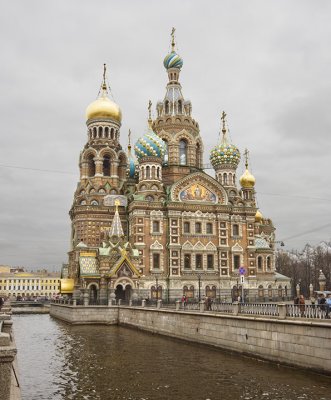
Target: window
(198,227)
(236,262)
(187,261)
(90,166)
(186,227)
(209,228)
(210,261)
(259,263)
(235,230)
(182,152)
(268,263)
(156,260)
(198,261)
(166,152)
(156,226)
(106,166)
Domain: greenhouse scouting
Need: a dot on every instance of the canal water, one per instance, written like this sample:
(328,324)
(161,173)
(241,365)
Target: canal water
(58,361)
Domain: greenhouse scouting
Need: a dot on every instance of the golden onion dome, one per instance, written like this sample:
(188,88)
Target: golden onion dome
(258,216)
(103,107)
(247,180)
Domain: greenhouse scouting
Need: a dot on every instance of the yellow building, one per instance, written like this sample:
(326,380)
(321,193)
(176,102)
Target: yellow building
(29,284)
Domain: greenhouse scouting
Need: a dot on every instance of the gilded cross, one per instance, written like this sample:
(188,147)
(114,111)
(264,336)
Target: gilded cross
(173,39)
(223,117)
(246,153)
(149,110)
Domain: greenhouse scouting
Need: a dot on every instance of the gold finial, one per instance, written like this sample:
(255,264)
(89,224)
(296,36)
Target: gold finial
(246,153)
(117,203)
(173,39)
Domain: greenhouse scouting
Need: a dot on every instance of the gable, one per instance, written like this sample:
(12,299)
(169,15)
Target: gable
(198,187)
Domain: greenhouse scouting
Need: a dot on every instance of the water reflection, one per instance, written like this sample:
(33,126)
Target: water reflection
(58,361)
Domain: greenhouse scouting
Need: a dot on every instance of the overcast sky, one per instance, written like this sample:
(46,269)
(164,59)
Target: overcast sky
(266,63)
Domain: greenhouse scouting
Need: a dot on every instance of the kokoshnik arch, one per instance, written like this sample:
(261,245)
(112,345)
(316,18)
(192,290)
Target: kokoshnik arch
(161,227)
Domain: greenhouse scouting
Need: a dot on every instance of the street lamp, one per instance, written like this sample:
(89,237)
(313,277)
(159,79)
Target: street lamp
(157,289)
(199,280)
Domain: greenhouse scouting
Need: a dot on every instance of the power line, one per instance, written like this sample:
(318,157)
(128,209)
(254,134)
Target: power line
(36,169)
(306,232)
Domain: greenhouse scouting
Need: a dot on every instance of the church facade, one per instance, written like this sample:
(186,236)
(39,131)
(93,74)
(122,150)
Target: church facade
(160,226)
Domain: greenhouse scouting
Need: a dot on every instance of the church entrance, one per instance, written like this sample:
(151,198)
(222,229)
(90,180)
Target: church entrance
(93,295)
(123,294)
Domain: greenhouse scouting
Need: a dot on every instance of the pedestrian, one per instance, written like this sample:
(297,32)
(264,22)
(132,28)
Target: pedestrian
(184,301)
(328,306)
(209,302)
(322,303)
(302,305)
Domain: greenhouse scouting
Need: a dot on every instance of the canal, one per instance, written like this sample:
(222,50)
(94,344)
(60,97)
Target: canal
(58,361)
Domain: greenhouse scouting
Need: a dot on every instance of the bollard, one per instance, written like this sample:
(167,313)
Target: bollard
(282,310)
(130,303)
(143,303)
(159,304)
(202,306)
(177,305)
(85,299)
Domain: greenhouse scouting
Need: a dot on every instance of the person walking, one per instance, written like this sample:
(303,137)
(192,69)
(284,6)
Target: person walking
(328,306)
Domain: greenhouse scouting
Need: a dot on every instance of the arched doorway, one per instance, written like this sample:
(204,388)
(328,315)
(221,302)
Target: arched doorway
(93,294)
(127,293)
(120,293)
(235,293)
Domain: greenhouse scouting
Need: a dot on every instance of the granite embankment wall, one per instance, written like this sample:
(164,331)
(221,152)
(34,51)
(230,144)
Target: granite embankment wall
(302,343)
(9,384)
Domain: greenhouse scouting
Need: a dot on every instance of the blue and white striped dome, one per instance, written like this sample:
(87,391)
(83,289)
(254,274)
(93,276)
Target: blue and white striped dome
(173,60)
(131,170)
(150,145)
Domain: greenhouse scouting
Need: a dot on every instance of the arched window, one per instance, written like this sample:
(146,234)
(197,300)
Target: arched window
(259,263)
(90,165)
(112,133)
(100,132)
(268,263)
(198,156)
(94,203)
(166,154)
(225,179)
(148,172)
(180,107)
(261,291)
(166,107)
(94,132)
(106,165)
(270,291)
(280,291)
(183,152)
(106,132)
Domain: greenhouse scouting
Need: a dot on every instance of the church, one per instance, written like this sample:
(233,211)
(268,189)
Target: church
(156,225)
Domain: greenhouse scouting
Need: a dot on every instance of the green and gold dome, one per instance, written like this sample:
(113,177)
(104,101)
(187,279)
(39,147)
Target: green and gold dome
(225,154)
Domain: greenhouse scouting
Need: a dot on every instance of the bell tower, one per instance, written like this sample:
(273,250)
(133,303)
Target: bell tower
(175,125)
(102,165)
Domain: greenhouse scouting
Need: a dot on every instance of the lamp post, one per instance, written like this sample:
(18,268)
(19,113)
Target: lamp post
(199,292)
(157,289)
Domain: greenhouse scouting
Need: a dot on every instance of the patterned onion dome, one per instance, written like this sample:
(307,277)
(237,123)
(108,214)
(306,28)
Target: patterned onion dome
(173,60)
(131,168)
(150,145)
(247,180)
(225,153)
